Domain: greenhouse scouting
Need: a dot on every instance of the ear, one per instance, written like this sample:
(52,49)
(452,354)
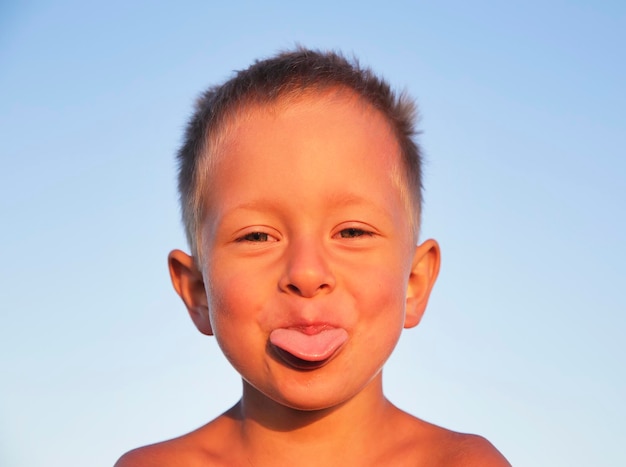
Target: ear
(189,285)
(424,271)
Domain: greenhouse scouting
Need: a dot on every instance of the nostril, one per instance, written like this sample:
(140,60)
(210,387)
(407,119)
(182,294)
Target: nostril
(305,291)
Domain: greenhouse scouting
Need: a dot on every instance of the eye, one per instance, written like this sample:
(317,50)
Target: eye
(256,237)
(353,232)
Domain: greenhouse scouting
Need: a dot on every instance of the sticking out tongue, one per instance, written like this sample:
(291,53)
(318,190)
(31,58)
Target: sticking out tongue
(309,347)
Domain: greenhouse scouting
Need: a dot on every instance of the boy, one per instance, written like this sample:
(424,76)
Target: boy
(300,186)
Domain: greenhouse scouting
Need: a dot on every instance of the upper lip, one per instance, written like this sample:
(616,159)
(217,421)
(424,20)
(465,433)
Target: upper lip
(311,328)
(310,317)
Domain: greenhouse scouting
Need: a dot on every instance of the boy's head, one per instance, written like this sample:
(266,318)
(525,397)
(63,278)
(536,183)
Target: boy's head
(301,187)
(276,82)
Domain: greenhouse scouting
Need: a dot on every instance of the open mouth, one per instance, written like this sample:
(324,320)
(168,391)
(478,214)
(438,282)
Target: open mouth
(307,351)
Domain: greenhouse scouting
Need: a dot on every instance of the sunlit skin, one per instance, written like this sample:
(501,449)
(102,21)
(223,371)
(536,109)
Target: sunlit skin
(306,228)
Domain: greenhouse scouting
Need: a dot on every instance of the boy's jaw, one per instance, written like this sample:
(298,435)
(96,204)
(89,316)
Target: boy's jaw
(307,347)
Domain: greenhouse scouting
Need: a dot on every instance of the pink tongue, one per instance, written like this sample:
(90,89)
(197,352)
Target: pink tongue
(314,347)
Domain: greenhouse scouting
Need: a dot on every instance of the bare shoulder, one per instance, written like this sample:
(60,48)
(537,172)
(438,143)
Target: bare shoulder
(171,453)
(468,450)
(198,448)
(145,456)
(429,444)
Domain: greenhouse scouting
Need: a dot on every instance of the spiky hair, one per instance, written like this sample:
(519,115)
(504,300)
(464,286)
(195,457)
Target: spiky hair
(284,77)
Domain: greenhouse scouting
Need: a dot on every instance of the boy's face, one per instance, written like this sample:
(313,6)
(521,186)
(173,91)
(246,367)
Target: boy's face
(309,267)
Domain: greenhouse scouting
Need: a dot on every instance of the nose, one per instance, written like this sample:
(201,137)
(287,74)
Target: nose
(307,272)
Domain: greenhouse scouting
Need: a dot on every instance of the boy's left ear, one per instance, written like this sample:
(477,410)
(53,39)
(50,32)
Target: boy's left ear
(424,271)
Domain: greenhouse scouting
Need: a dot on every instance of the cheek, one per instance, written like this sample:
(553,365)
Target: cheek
(228,298)
(381,308)
(381,300)
(231,325)
(236,299)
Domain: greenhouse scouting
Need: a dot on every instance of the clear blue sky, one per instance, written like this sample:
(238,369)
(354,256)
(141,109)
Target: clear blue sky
(524,131)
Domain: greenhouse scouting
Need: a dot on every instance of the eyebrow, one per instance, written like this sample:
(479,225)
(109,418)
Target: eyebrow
(337,200)
(350,199)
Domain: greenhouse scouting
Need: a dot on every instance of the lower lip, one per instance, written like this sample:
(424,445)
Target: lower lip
(298,363)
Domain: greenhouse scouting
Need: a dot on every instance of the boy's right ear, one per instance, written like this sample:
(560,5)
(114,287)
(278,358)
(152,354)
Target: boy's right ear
(189,285)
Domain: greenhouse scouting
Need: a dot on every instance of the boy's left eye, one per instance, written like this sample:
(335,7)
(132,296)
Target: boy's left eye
(255,237)
(353,232)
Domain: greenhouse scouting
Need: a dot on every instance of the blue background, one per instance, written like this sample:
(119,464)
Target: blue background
(524,133)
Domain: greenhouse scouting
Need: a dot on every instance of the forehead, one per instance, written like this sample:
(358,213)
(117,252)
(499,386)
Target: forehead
(328,145)
(336,118)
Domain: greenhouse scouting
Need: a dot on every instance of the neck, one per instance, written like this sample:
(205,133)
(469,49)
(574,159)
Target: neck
(268,427)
